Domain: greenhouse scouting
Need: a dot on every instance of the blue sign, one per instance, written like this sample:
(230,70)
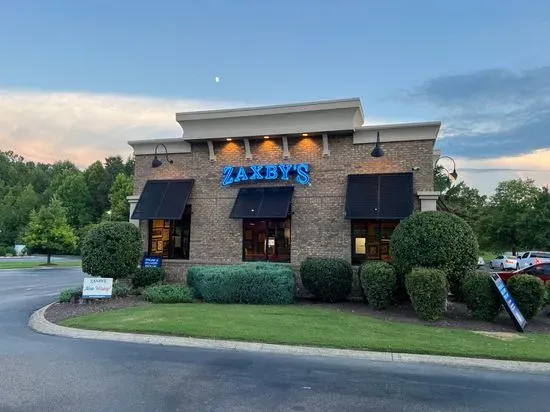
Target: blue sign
(152,262)
(297,172)
(509,303)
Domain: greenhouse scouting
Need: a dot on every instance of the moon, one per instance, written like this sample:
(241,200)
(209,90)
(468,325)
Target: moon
(217,79)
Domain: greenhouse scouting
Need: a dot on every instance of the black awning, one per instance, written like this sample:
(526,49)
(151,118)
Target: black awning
(379,196)
(263,203)
(163,199)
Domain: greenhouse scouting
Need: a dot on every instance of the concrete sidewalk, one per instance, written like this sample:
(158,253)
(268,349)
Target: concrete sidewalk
(40,324)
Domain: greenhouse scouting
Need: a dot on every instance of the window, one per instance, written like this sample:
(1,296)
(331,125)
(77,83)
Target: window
(170,238)
(266,240)
(370,239)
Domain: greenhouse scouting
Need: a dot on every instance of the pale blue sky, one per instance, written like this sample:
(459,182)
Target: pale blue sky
(482,67)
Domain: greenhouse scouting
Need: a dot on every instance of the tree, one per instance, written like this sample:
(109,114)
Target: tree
(505,224)
(442,181)
(95,180)
(129,166)
(48,231)
(76,200)
(114,165)
(539,222)
(466,202)
(15,208)
(123,186)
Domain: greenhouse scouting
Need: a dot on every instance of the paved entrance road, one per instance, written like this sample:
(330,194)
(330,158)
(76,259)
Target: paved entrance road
(44,373)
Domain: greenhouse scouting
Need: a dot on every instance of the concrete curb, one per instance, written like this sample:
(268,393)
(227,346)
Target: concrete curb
(40,324)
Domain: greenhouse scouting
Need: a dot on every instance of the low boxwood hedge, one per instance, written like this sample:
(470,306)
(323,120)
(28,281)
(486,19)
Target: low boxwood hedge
(329,279)
(168,294)
(480,296)
(252,283)
(428,290)
(378,280)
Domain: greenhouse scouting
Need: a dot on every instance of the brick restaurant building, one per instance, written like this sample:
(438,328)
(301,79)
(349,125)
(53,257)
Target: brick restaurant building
(280,183)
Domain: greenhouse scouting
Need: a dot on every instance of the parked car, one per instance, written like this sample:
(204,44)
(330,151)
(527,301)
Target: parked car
(504,262)
(480,262)
(533,258)
(542,271)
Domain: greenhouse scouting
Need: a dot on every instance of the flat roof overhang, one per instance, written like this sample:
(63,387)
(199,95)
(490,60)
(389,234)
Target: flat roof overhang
(291,119)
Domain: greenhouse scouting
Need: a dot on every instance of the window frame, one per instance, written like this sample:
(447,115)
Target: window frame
(266,232)
(185,224)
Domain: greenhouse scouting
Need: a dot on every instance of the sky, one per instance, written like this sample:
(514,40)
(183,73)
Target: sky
(80,79)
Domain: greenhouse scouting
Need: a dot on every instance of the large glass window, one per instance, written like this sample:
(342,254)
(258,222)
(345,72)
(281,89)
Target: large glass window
(370,239)
(170,238)
(266,240)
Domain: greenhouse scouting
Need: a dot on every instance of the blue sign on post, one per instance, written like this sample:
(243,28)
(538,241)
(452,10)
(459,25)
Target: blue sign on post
(509,303)
(151,262)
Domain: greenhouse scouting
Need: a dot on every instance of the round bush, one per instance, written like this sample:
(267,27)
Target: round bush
(438,240)
(529,292)
(480,296)
(112,250)
(428,290)
(144,277)
(329,279)
(378,281)
(121,290)
(66,295)
(168,294)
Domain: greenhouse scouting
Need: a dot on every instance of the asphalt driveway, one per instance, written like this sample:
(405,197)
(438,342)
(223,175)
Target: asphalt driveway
(41,372)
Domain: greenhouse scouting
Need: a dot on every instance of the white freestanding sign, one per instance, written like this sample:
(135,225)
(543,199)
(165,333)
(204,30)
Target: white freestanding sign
(97,288)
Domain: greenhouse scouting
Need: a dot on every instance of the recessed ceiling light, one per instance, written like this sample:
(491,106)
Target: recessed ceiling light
(229,139)
(266,137)
(305,134)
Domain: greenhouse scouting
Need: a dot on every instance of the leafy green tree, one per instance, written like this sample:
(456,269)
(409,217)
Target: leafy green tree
(76,200)
(505,223)
(15,208)
(129,166)
(95,180)
(467,203)
(114,165)
(538,223)
(442,181)
(123,186)
(49,232)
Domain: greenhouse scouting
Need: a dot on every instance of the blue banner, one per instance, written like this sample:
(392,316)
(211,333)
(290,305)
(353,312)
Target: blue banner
(151,262)
(509,303)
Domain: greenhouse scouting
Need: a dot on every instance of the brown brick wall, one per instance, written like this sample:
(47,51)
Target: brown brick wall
(318,224)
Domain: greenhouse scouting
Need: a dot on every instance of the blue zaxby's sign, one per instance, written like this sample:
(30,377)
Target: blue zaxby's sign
(297,172)
(509,303)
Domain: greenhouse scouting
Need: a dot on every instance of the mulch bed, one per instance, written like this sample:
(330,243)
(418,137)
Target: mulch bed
(61,311)
(456,316)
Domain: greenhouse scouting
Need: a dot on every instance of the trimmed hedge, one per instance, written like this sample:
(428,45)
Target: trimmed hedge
(111,250)
(120,290)
(428,290)
(547,296)
(378,280)
(144,277)
(168,294)
(66,294)
(529,292)
(480,296)
(438,240)
(329,279)
(7,251)
(252,283)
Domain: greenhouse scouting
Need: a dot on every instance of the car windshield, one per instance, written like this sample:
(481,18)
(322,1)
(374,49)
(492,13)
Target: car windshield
(525,255)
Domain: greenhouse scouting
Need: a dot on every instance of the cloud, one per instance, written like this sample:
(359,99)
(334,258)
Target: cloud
(490,113)
(85,127)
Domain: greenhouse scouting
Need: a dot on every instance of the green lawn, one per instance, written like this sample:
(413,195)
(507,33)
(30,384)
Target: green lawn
(295,325)
(14,264)
(487,256)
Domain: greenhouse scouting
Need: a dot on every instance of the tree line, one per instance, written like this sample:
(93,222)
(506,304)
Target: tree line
(515,218)
(51,206)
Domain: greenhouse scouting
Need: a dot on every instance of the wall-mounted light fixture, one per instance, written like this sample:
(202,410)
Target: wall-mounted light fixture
(377,151)
(453,174)
(156,162)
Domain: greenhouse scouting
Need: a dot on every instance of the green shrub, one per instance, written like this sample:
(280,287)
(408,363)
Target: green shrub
(7,251)
(121,290)
(528,291)
(111,250)
(66,294)
(378,281)
(253,283)
(480,296)
(329,279)
(438,240)
(144,277)
(428,290)
(547,295)
(168,294)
